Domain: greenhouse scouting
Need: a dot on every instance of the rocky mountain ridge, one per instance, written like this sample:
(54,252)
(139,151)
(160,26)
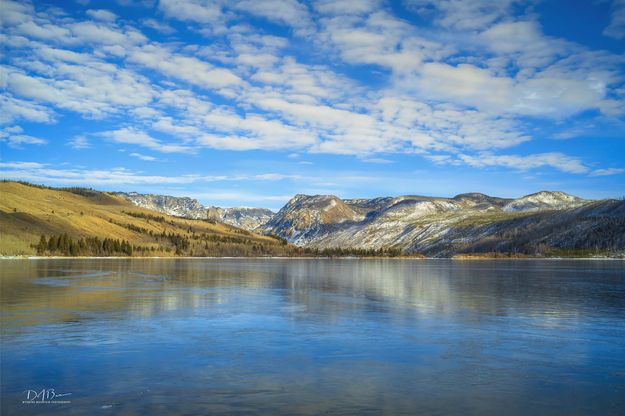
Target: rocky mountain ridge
(248,218)
(546,221)
(543,222)
(242,217)
(178,206)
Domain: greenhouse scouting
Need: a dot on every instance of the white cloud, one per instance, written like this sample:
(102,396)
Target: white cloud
(275,177)
(101,33)
(129,135)
(378,39)
(16,141)
(466,84)
(554,160)
(543,95)
(14,13)
(44,26)
(607,172)
(463,14)
(158,26)
(116,176)
(469,89)
(377,160)
(255,132)
(551,77)
(238,196)
(45,173)
(79,142)
(201,11)
(13,109)
(46,31)
(305,82)
(185,68)
(76,82)
(616,28)
(143,157)
(13,137)
(343,7)
(21,165)
(290,12)
(215,14)
(104,15)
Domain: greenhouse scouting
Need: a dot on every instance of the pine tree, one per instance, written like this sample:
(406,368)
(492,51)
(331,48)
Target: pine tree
(64,244)
(41,247)
(52,244)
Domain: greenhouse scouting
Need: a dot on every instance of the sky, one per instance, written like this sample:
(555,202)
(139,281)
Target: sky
(249,102)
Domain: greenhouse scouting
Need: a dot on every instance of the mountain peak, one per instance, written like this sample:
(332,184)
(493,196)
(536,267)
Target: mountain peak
(305,213)
(544,200)
(551,194)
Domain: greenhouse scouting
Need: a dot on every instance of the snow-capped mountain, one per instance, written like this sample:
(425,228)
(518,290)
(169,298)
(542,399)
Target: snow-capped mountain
(543,201)
(303,217)
(248,218)
(242,217)
(171,205)
(446,226)
(434,226)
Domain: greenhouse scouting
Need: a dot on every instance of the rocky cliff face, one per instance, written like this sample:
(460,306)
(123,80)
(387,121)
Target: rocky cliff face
(304,217)
(246,218)
(242,217)
(171,205)
(445,226)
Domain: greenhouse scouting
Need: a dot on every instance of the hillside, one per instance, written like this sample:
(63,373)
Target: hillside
(27,212)
(542,224)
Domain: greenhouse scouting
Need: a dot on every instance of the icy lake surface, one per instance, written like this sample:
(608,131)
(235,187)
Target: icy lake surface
(319,336)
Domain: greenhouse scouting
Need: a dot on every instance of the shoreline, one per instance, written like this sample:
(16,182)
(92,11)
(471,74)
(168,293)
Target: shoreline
(471,259)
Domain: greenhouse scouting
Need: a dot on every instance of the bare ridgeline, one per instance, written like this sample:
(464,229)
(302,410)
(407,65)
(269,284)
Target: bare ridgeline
(83,222)
(541,224)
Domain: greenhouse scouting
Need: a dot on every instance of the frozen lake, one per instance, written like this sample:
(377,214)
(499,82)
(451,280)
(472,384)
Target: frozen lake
(318,336)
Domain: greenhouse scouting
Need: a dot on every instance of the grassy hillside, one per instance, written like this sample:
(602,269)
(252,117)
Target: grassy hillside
(27,212)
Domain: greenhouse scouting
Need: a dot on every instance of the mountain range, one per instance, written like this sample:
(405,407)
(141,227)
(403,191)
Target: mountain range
(544,223)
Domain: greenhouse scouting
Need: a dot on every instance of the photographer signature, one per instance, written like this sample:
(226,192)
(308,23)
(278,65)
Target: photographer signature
(44,396)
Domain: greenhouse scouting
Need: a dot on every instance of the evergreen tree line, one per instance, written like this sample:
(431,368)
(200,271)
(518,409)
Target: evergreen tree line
(134,228)
(180,242)
(64,245)
(241,231)
(89,192)
(552,236)
(221,238)
(282,240)
(359,252)
(157,218)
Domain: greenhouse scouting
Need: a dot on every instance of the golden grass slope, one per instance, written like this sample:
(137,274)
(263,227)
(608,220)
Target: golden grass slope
(27,212)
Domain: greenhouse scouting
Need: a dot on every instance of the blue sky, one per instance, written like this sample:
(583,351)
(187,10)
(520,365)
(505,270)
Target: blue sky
(248,102)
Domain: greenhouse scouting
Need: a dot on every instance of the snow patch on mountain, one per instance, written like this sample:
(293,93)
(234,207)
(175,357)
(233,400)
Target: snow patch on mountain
(544,200)
(242,217)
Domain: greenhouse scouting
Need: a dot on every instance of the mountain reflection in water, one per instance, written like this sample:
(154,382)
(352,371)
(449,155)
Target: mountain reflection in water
(313,336)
